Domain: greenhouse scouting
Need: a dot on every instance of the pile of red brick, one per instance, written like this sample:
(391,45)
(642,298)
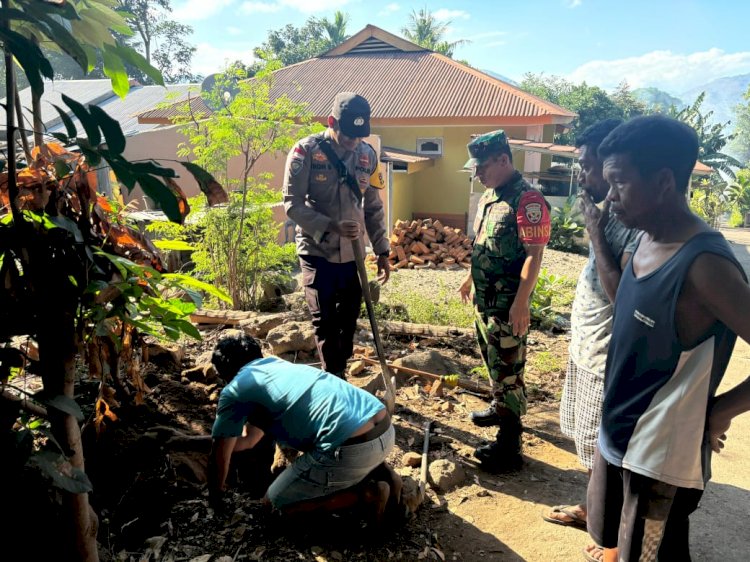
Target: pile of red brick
(428,244)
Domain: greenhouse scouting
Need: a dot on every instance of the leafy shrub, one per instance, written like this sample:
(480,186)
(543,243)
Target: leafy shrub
(567,228)
(736,219)
(547,286)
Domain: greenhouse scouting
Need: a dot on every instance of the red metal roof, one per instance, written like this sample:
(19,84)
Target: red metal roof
(413,86)
(405,85)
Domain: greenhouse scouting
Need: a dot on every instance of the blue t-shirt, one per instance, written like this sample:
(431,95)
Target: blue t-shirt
(298,406)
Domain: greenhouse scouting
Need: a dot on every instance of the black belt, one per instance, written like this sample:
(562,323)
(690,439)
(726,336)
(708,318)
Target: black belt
(379,429)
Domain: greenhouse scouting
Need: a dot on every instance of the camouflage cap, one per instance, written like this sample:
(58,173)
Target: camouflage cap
(486,145)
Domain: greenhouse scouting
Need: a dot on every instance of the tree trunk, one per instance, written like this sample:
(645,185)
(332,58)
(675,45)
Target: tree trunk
(57,352)
(36,110)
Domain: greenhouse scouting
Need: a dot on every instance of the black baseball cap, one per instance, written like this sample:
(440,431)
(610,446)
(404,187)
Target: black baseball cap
(353,114)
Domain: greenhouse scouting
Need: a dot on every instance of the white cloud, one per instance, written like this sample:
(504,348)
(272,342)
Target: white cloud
(389,9)
(197,10)
(231,30)
(209,59)
(314,6)
(259,7)
(666,70)
(495,44)
(444,14)
(573,3)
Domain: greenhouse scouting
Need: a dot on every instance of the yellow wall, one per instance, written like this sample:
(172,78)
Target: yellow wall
(441,188)
(403,195)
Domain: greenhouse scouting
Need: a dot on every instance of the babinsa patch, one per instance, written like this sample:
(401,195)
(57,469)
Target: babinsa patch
(534,212)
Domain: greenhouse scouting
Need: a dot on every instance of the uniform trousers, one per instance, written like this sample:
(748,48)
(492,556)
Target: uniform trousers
(334,297)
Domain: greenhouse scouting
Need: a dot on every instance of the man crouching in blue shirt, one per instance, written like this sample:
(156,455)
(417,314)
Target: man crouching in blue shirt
(344,432)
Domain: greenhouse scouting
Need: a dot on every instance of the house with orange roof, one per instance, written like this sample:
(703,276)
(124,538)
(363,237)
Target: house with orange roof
(425,107)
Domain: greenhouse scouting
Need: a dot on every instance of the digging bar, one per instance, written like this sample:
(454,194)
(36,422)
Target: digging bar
(425,463)
(390,391)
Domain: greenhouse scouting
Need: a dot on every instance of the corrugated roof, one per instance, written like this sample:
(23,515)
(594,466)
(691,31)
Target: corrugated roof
(422,86)
(83,91)
(164,115)
(99,92)
(125,111)
(405,84)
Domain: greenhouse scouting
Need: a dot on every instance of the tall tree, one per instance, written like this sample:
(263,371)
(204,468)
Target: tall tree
(741,143)
(336,29)
(291,44)
(174,55)
(426,30)
(162,40)
(627,101)
(713,137)
(591,103)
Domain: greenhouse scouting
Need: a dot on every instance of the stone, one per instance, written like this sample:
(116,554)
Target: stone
(445,475)
(202,558)
(165,355)
(412,459)
(428,361)
(190,466)
(356,367)
(259,326)
(411,497)
(437,389)
(296,302)
(291,336)
(369,381)
(205,373)
(446,407)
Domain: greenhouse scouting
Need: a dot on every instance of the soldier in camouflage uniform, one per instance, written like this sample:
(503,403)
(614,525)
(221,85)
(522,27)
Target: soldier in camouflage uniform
(512,226)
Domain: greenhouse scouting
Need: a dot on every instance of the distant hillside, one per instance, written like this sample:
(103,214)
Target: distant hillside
(656,98)
(722,95)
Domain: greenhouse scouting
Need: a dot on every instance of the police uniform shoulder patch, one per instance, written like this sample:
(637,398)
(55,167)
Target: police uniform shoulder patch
(377,180)
(295,166)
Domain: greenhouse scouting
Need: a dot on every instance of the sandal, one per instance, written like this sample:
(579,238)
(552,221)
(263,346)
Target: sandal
(568,511)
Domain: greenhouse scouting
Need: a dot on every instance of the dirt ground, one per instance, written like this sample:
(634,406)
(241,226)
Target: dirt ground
(158,509)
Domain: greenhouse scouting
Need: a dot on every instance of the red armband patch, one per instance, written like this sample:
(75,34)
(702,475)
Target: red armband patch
(533,219)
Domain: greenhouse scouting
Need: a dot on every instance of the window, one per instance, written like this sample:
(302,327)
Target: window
(433,146)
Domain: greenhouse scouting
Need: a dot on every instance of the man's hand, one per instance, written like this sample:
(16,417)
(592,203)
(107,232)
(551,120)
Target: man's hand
(465,290)
(519,317)
(347,229)
(596,219)
(717,430)
(384,269)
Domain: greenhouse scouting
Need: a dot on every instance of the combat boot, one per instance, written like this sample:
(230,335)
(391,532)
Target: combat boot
(486,417)
(504,454)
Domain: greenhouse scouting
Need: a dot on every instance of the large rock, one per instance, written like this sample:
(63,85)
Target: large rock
(296,302)
(291,336)
(272,291)
(445,474)
(165,355)
(259,326)
(429,361)
(205,373)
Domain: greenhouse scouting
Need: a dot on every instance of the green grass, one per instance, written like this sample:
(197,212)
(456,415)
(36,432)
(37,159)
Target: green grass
(545,362)
(440,307)
(566,291)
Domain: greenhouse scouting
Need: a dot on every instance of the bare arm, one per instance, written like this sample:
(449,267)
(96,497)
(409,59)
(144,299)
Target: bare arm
(519,316)
(606,265)
(221,457)
(728,302)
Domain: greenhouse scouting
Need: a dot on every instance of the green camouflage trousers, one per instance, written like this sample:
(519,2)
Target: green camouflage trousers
(504,356)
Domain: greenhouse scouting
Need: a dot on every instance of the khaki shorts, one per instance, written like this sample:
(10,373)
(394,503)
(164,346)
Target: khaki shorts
(322,473)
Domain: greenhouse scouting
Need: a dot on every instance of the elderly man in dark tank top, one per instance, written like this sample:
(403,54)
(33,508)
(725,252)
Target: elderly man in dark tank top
(673,333)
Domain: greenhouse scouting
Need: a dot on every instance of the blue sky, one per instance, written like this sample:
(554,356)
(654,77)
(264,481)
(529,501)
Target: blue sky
(671,44)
